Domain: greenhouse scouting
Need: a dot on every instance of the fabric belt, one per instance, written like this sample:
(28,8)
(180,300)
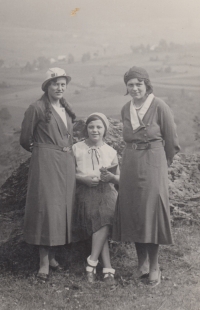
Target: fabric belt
(53,146)
(145,145)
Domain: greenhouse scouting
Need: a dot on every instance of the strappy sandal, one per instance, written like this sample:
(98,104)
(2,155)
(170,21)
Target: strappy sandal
(91,274)
(109,276)
(43,277)
(91,270)
(154,283)
(57,268)
(144,275)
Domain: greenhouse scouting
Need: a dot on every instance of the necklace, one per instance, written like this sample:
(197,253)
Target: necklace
(137,108)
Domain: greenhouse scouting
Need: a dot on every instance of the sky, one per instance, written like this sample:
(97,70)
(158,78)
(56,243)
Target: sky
(175,20)
(31,28)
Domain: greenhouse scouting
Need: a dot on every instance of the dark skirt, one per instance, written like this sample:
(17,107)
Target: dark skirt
(142,212)
(94,208)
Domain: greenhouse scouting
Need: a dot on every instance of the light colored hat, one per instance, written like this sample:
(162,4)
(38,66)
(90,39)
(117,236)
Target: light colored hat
(53,73)
(102,117)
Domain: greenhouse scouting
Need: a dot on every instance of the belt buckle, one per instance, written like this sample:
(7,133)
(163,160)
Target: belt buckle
(134,146)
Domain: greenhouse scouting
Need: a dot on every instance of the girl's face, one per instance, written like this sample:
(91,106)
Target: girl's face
(136,89)
(95,130)
(57,88)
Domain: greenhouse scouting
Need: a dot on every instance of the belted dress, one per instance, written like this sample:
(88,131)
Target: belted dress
(142,212)
(51,179)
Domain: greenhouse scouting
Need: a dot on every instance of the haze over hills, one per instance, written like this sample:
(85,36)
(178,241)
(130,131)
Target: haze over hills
(33,28)
(111,32)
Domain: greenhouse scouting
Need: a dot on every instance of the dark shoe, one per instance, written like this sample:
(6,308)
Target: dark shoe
(109,280)
(155,283)
(43,277)
(91,275)
(144,276)
(57,268)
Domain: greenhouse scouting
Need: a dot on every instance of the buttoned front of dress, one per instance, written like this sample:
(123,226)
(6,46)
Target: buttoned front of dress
(143,213)
(51,181)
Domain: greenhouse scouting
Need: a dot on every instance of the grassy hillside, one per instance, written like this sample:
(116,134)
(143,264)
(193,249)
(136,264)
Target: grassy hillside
(97,85)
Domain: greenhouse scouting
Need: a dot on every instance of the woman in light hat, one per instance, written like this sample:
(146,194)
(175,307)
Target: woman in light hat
(47,133)
(95,194)
(143,213)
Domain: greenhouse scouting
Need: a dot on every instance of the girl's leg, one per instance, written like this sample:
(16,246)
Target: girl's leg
(153,260)
(98,240)
(108,271)
(44,260)
(143,260)
(105,255)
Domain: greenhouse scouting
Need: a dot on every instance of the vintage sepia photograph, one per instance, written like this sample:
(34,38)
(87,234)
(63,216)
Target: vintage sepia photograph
(99,155)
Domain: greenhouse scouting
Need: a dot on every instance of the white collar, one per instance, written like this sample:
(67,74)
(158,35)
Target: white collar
(135,116)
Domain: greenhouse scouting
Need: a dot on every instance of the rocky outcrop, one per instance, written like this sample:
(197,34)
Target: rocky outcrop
(184,185)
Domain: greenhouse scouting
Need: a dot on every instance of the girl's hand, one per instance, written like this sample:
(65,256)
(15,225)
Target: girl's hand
(106,176)
(31,147)
(91,181)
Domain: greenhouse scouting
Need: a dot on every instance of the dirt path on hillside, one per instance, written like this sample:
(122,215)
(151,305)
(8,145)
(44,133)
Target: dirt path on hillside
(176,86)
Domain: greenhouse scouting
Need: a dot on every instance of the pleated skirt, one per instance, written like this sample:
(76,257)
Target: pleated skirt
(94,208)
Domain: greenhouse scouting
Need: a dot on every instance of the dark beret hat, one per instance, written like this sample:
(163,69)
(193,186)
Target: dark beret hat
(135,73)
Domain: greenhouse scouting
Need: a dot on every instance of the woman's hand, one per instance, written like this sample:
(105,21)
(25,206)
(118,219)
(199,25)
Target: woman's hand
(106,176)
(91,181)
(31,147)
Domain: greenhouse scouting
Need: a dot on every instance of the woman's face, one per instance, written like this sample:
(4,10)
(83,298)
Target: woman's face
(95,130)
(136,89)
(57,88)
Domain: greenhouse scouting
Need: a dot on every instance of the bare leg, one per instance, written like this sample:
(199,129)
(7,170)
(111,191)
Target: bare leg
(44,259)
(52,260)
(153,259)
(98,240)
(143,261)
(105,254)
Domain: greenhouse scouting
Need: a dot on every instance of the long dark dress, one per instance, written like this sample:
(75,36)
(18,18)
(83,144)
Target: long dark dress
(142,212)
(51,181)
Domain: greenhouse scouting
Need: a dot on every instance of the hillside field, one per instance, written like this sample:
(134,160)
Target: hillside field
(97,85)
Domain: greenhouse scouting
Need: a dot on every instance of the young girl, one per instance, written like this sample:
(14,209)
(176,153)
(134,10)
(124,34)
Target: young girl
(95,194)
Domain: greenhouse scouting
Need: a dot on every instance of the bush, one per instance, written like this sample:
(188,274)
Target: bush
(4,114)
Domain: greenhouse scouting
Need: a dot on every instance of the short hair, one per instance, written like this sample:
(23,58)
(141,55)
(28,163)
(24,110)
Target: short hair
(148,85)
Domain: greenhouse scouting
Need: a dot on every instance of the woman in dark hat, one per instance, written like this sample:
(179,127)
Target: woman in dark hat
(47,133)
(143,213)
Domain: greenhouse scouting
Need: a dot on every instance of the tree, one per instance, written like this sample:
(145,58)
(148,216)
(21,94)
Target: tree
(70,59)
(1,62)
(86,57)
(197,128)
(43,62)
(163,46)
(4,114)
(93,82)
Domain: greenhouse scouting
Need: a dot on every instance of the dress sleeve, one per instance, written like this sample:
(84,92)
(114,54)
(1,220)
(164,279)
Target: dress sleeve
(28,126)
(74,148)
(168,131)
(122,115)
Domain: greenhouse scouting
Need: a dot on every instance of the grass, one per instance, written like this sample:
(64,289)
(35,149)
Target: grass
(180,265)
